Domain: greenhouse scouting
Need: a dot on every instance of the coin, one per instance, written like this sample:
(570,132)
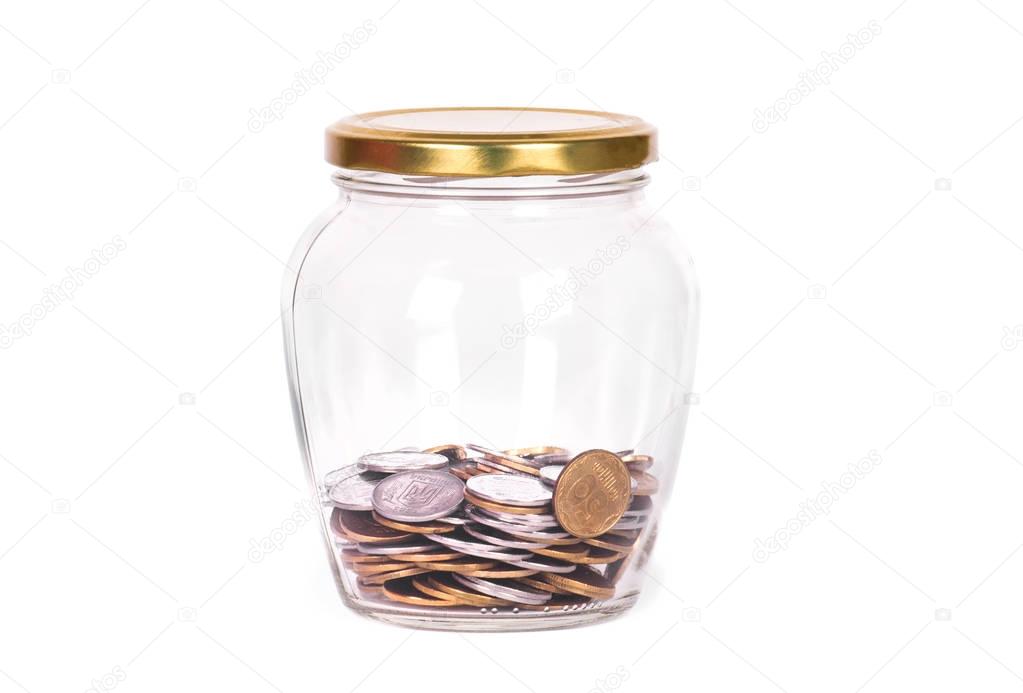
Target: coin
(452,451)
(355,556)
(499,538)
(571,553)
(415,527)
(360,527)
(337,475)
(418,496)
(583,580)
(520,464)
(505,509)
(537,451)
(592,493)
(403,590)
(549,475)
(538,534)
(401,461)
(614,542)
(411,545)
(434,553)
(646,484)
(537,581)
(465,543)
(501,571)
(637,462)
(353,493)
(462,564)
(600,556)
(381,578)
(528,520)
(504,589)
(368,590)
(508,489)
(545,563)
(374,568)
(444,582)
(464,470)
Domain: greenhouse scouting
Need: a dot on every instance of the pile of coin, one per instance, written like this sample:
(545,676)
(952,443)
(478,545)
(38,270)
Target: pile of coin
(466,526)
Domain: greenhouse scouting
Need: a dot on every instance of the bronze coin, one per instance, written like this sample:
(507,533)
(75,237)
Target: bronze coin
(355,556)
(363,569)
(381,578)
(599,556)
(452,451)
(369,590)
(573,553)
(360,526)
(592,493)
(501,571)
(583,580)
(540,584)
(457,565)
(614,542)
(404,590)
(445,583)
(430,527)
(425,556)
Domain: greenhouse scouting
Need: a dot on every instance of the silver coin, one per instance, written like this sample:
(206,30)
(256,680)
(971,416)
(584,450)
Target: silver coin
(413,545)
(498,456)
(454,520)
(418,496)
(526,521)
(401,461)
(550,473)
(499,538)
(338,475)
(545,563)
(473,547)
(538,533)
(505,589)
(624,453)
(353,493)
(510,489)
(552,458)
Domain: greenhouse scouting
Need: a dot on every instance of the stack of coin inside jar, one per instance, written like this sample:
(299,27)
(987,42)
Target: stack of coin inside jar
(467,526)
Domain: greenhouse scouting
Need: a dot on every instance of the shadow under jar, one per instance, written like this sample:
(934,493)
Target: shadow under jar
(490,341)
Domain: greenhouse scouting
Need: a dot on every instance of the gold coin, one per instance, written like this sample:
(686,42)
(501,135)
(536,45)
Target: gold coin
(360,526)
(592,493)
(501,572)
(404,590)
(445,583)
(583,580)
(458,565)
(381,578)
(432,527)
(573,553)
(646,484)
(510,509)
(614,542)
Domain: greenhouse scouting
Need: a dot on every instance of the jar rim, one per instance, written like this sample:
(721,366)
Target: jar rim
(491,141)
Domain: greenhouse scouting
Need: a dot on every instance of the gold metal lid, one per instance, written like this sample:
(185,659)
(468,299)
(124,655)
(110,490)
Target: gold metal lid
(491,142)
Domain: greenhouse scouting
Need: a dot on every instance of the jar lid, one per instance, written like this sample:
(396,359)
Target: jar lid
(491,142)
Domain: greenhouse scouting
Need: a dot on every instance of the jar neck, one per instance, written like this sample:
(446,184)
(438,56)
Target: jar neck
(491,188)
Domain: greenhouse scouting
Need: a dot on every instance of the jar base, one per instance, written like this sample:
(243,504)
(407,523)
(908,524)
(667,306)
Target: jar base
(495,619)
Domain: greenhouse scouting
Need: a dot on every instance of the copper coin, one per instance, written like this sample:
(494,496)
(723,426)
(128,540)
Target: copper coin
(404,590)
(360,526)
(354,556)
(437,554)
(364,569)
(571,553)
(431,527)
(592,493)
(381,578)
(539,583)
(462,564)
(501,571)
(452,451)
(464,470)
(369,590)
(614,542)
(599,556)
(445,583)
(583,580)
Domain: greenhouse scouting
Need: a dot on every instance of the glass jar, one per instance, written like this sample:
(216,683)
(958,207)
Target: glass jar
(490,342)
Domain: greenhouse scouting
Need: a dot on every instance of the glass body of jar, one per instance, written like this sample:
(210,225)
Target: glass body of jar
(506,312)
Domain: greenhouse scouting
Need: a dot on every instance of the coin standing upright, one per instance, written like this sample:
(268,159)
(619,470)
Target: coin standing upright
(490,338)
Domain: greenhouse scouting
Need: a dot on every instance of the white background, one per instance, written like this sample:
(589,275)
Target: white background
(861,264)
